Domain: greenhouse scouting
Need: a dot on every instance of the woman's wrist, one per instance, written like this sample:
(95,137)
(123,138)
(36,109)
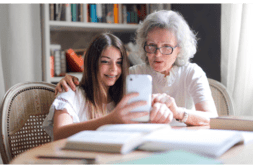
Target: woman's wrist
(180,113)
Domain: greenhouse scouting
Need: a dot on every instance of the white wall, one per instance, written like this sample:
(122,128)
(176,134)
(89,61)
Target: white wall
(20,42)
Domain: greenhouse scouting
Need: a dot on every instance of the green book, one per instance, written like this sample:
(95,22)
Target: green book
(74,12)
(177,157)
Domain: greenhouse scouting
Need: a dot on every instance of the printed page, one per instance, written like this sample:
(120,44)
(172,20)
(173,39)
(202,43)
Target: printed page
(143,128)
(103,137)
(204,141)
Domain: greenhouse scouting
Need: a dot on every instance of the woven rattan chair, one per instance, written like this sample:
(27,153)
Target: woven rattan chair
(222,99)
(23,110)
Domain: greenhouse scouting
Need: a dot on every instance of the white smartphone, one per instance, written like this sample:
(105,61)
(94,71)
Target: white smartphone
(142,84)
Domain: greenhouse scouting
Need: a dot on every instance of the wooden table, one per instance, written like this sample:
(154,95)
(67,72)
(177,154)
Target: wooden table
(239,154)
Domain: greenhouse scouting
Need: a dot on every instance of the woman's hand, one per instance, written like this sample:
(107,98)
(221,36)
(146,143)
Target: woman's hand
(168,101)
(160,113)
(66,82)
(122,113)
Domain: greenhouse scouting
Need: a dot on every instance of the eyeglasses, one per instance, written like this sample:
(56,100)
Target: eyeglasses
(167,50)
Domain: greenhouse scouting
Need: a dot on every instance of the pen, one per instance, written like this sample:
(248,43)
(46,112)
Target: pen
(88,160)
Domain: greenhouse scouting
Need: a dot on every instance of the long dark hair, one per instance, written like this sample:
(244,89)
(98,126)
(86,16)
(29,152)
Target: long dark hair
(94,91)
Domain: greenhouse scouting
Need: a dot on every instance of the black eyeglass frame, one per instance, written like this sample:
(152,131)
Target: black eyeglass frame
(160,48)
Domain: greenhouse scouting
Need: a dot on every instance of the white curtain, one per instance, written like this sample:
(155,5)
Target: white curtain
(237,55)
(20,45)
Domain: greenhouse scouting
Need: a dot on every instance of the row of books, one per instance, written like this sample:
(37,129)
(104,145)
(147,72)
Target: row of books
(104,13)
(63,61)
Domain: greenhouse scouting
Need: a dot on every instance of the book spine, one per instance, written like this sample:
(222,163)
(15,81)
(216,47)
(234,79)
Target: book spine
(57,62)
(54,59)
(52,63)
(51,11)
(147,9)
(132,16)
(78,11)
(88,13)
(128,17)
(74,12)
(55,11)
(109,14)
(166,6)
(58,12)
(104,12)
(135,12)
(99,12)
(93,13)
(116,13)
(68,12)
(63,63)
(120,14)
(143,12)
(63,11)
(124,13)
(152,8)
(85,13)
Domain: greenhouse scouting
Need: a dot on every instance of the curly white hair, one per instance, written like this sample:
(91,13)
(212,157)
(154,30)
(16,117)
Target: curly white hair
(174,22)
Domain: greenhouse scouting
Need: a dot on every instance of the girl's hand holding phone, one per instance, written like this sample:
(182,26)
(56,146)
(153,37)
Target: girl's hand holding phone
(122,113)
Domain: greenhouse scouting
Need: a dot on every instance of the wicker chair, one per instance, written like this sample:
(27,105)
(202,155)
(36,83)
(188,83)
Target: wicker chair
(222,99)
(23,110)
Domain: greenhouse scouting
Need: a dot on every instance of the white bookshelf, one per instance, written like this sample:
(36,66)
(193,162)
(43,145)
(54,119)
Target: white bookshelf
(61,26)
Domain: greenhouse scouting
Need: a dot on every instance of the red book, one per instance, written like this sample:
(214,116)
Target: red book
(52,66)
(75,62)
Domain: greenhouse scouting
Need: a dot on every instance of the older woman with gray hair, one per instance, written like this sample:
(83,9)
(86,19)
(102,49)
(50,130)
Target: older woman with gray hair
(166,43)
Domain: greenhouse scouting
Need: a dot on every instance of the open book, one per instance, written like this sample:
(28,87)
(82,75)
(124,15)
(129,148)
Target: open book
(207,142)
(121,138)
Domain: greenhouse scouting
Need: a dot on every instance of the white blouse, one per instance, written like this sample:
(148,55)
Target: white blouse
(187,84)
(74,103)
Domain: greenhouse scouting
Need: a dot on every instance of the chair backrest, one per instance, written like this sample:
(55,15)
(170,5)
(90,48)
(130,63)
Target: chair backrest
(222,99)
(23,110)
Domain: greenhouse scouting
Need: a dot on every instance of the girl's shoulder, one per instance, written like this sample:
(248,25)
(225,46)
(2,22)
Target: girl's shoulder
(71,95)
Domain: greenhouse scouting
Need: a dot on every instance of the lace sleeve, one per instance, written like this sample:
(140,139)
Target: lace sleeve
(67,100)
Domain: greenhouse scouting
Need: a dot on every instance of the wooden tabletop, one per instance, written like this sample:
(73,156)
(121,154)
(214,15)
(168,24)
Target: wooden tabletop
(239,154)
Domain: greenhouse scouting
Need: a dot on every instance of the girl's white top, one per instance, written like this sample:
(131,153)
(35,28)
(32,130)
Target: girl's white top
(74,103)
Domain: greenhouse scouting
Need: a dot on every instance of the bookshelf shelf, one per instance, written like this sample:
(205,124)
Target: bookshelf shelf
(57,79)
(81,26)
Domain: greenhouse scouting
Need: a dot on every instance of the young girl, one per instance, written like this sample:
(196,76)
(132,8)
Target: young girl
(93,102)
